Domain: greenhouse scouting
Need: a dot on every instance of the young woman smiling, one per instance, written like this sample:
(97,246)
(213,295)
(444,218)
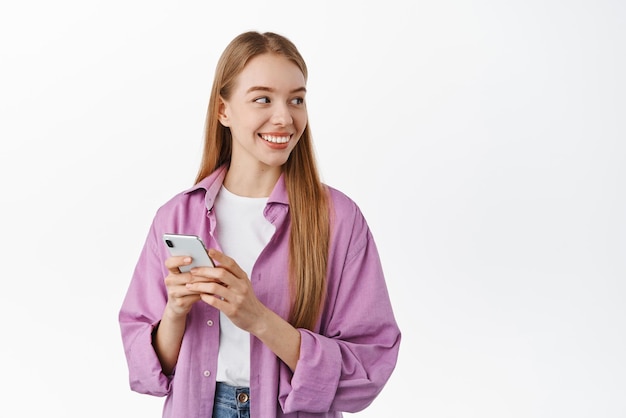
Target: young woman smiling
(295,319)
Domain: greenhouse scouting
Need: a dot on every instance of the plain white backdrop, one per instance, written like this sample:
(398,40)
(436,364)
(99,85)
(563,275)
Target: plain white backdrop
(483,140)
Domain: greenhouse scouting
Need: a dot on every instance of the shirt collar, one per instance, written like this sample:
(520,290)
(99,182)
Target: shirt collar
(213,182)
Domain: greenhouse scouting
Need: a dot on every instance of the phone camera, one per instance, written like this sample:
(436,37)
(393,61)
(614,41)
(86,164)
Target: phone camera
(169,243)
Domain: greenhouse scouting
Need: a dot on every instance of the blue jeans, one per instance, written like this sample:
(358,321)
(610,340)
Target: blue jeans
(231,401)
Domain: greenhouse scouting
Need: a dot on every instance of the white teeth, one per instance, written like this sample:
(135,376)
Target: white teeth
(276,139)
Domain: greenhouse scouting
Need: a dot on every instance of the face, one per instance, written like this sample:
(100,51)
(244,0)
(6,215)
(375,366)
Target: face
(266,112)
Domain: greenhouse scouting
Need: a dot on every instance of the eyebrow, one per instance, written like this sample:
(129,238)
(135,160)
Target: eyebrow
(263,88)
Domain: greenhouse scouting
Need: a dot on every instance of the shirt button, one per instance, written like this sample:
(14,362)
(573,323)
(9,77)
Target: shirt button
(209,323)
(207,373)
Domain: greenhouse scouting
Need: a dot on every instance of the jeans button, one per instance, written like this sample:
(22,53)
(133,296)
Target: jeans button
(243,397)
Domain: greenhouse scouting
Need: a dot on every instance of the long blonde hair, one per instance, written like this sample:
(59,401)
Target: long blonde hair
(309,207)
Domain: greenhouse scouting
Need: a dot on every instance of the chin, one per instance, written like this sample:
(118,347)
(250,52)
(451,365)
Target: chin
(275,163)
(276,160)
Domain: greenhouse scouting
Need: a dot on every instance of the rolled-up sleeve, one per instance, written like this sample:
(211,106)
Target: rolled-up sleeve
(139,315)
(345,365)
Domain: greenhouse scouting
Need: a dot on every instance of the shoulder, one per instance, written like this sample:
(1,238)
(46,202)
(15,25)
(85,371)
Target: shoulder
(180,212)
(350,233)
(347,220)
(343,207)
(181,201)
(194,201)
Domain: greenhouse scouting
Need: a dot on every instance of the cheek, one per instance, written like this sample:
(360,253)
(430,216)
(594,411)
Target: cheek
(254,121)
(302,121)
(246,125)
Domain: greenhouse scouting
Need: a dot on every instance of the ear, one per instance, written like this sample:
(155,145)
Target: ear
(222,113)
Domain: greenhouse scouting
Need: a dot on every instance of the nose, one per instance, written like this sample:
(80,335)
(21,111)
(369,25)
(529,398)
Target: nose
(282,116)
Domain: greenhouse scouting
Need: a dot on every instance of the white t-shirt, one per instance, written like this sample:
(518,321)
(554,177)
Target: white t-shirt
(242,232)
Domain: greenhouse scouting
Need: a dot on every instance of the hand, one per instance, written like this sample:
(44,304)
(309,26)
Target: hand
(227,288)
(179,298)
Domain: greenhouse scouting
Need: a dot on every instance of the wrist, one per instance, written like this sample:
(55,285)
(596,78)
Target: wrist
(262,324)
(173,315)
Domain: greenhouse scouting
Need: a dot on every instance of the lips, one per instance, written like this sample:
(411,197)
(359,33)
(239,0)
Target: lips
(276,139)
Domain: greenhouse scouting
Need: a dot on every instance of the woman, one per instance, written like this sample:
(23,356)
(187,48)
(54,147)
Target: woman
(295,319)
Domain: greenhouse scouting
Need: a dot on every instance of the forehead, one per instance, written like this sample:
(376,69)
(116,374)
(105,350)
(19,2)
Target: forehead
(272,71)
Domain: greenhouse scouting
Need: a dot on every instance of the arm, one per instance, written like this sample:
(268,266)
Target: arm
(152,318)
(167,339)
(139,316)
(345,365)
(168,336)
(280,337)
(228,289)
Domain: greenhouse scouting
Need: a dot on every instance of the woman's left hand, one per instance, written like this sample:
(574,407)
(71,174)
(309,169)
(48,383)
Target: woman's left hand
(227,288)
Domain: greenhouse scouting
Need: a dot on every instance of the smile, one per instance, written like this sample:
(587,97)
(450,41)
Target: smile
(276,139)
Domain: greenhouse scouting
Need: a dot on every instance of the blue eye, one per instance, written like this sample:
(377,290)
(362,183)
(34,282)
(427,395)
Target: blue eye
(264,100)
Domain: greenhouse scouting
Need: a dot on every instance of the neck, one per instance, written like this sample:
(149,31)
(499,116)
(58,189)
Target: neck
(258,182)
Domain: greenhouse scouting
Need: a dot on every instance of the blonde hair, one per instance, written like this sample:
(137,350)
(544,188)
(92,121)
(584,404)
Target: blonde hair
(309,206)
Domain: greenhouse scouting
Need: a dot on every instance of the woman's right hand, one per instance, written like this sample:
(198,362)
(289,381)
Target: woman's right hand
(179,298)
(169,335)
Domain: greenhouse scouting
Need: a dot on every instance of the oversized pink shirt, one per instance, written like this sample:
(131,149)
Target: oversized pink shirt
(343,364)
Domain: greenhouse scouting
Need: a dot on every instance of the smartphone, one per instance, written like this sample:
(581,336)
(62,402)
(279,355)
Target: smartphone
(190,245)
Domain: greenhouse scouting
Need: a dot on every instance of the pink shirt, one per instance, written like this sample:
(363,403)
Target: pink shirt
(343,364)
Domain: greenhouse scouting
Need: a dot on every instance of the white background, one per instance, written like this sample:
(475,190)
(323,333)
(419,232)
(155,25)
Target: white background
(483,140)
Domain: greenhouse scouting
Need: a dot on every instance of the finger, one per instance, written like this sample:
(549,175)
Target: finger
(219,275)
(183,293)
(228,263)
(210,288)
(177,279)
(215,301)
(173,263)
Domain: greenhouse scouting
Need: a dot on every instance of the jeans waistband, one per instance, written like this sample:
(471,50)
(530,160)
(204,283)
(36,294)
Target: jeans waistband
(235,397)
